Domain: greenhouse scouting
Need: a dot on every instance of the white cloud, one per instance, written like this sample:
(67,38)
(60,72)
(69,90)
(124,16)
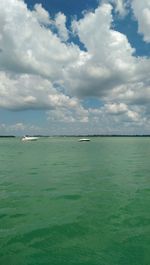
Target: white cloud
(41,14)
(122,112)
(60,22)
(22,128)
(110,56)
(116,108)
(31,92)
(121,6)
(133,115)
(141,11)
(39,69)
(68,110)
(28,47)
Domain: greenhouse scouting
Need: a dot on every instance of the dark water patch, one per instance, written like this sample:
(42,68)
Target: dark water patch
(12,216)
(5,189)
(56,164)
(33,173)
(138,221)
(18,215)
(125,253)
(3,216)
(69,253)
(146,190)
(66,256)
(49,189)
(5,184)
(34,168)
(20,153)
(70,197)
(50,235)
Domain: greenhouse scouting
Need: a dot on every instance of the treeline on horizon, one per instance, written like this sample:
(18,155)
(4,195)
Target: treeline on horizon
(83,135)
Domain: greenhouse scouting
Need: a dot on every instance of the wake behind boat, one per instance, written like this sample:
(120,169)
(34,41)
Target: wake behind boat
(29,138)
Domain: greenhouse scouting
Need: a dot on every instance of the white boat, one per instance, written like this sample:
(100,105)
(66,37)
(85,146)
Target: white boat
(29,138)
(84,140)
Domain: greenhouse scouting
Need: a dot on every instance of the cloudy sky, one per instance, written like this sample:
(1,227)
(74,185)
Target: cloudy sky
(74,67)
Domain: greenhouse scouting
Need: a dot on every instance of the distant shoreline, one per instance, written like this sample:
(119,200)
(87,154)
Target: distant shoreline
(7,136)
(83,135)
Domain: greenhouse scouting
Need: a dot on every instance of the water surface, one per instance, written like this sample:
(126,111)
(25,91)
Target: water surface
(68,203)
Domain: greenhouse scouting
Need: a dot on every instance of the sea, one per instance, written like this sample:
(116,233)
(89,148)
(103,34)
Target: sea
(65,202)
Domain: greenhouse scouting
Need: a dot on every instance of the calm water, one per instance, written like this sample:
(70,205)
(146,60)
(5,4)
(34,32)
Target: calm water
(68,203)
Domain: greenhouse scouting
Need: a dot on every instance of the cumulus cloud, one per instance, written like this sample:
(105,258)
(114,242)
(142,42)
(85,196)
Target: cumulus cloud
(110,60)
(41,14)
(141,11)
(115,108)
(20,127)
(29,47)
(40,68)
(32,92)
(60,22)
(121,6)
(122,109)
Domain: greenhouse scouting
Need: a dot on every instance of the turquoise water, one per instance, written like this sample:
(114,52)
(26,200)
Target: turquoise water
(68,203)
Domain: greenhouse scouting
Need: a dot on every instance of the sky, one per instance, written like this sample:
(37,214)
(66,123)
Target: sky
(70,67)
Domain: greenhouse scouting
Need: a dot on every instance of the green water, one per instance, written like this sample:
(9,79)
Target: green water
(68,203)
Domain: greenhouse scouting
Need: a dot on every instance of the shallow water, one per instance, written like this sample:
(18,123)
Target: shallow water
(68,203)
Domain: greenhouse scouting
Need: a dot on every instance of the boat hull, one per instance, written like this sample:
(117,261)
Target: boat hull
(84,140)
(25,139)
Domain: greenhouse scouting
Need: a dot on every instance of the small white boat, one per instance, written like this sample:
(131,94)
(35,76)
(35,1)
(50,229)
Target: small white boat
(84,140)
(29,138)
